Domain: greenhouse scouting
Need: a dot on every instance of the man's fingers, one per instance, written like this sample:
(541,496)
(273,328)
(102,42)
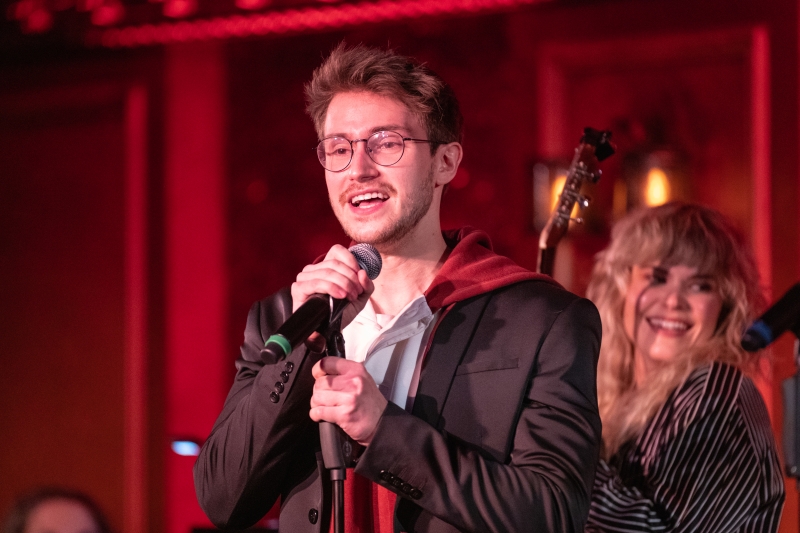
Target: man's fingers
(337,366)
(332,398)
(340,253)
(338,275)
(332,366)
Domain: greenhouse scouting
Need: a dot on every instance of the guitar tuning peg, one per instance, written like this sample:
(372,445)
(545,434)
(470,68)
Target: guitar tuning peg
(577,220)
(583,201)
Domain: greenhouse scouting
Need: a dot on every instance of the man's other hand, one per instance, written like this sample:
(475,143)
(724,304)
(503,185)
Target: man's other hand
(346,395)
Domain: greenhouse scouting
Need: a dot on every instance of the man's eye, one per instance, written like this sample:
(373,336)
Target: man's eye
(337,151)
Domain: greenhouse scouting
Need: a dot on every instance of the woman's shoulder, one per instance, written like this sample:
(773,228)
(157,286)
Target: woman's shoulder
(717,380)
(720,390)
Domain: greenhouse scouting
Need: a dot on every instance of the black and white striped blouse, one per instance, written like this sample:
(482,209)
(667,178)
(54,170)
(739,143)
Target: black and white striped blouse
(705,462)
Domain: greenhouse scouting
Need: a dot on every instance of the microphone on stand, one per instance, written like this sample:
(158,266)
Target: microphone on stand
(317,312)
(783,315)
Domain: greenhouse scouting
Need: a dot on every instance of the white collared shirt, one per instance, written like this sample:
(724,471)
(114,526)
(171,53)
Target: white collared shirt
(391,347)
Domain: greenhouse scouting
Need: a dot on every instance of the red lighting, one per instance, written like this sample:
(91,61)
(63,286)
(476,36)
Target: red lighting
(290,21)
(108,13)
(251,5)
(180,8)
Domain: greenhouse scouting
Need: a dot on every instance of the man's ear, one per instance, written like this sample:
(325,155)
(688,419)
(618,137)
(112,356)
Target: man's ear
(446,161)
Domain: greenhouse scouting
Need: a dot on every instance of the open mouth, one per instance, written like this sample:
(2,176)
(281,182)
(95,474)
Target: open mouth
(369,199)
(669,325)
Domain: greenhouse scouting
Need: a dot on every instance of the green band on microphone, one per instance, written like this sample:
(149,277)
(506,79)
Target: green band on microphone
(281,341)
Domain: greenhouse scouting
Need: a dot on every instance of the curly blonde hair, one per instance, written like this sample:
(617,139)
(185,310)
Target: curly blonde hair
(676,233)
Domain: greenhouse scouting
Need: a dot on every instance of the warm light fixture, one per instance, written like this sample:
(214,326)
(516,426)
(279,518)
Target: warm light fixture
(657,189)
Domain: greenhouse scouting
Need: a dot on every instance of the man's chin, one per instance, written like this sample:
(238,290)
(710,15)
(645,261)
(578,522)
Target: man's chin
(375,236)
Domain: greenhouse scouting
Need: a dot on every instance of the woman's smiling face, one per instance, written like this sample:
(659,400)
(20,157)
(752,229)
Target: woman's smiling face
(667,311)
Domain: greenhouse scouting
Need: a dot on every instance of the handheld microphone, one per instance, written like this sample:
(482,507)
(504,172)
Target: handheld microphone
(317,312)
(784,314)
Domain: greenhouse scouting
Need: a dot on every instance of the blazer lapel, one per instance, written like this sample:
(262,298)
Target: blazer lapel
(450,342)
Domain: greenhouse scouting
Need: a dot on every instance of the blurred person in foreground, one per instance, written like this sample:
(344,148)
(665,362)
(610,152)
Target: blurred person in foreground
(468,380)
(687,443)
(55,510)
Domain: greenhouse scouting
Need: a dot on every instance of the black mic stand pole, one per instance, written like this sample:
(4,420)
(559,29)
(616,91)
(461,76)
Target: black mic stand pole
(336,446)
(791,414)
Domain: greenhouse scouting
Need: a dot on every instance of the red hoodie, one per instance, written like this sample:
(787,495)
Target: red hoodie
(471,269)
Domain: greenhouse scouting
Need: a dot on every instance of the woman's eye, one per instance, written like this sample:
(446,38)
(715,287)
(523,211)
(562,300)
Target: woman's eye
(658,276)
(702,286)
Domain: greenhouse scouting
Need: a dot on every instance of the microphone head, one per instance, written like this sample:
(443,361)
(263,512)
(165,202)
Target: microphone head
(757,337)
(368,258)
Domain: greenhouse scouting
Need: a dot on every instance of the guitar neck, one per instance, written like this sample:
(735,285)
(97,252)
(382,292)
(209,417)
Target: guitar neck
(547,259)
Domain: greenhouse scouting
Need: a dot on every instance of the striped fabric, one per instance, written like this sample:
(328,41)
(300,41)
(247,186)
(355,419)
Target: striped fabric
(706,462)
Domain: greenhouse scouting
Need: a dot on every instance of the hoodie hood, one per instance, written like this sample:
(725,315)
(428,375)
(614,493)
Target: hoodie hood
(472,268)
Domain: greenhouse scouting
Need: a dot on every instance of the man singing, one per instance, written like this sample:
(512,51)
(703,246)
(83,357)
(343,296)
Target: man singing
(468,380)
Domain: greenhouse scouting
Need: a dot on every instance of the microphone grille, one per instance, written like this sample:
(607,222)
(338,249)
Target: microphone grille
(368,258)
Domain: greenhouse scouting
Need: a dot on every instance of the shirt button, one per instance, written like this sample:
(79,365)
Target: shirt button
(313,515)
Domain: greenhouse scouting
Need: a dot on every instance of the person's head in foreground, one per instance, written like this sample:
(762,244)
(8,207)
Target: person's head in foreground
(55,510)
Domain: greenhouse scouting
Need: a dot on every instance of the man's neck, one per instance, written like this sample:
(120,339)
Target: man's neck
(408,270)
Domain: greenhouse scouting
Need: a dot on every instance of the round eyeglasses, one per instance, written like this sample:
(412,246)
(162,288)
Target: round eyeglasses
(384,147)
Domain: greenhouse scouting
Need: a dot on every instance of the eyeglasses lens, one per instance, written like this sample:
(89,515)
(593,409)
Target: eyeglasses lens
(334,153)
(384,147)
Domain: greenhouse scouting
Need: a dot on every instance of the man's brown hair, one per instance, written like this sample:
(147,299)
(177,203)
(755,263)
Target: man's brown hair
(386,73)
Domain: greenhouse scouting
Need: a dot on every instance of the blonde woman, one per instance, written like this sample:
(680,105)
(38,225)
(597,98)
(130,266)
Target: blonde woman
(687,444)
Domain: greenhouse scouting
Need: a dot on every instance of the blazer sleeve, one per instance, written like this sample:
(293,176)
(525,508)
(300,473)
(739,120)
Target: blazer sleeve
(713,467)
(259,445)
(544,483)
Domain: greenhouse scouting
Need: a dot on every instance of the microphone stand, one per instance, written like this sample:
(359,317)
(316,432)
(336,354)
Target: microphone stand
(791,414)
(336,445)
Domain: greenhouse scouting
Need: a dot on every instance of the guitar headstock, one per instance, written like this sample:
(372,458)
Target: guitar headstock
(595,146)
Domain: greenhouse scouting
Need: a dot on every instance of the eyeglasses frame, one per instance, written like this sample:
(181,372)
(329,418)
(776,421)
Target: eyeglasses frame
(353,149)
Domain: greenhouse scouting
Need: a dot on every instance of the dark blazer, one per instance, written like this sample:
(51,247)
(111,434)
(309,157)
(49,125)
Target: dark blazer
(504,433)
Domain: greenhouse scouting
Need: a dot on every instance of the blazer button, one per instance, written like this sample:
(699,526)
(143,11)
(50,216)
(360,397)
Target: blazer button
(274,397)
(279,387)
(284,377)
(313,515)
(289,366)
(416,494)
(385,476)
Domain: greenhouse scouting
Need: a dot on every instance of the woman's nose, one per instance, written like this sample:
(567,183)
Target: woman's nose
(675,297)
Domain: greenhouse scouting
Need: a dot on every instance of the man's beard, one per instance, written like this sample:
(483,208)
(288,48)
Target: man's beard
(415,209)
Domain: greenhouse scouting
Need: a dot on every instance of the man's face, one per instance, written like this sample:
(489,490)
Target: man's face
(379,204)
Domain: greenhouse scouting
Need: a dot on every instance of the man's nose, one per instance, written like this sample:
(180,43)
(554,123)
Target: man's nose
(361,165)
